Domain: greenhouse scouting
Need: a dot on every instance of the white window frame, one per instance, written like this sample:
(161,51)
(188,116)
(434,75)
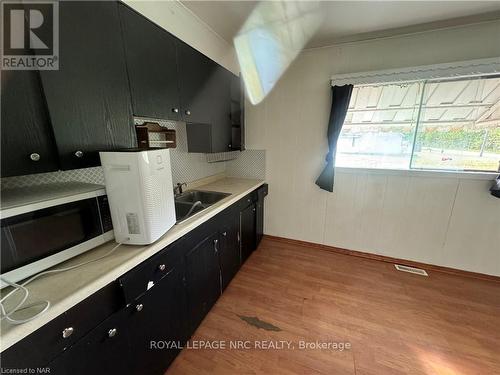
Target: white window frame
(459,69)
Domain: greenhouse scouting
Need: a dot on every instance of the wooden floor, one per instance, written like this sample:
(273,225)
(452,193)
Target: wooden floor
(396,323)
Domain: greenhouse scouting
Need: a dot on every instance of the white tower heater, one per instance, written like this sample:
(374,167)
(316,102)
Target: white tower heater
(140,193)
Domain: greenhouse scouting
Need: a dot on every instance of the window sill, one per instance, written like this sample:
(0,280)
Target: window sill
(420,173)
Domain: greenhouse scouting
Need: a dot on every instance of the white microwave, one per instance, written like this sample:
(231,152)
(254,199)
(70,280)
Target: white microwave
(45,225)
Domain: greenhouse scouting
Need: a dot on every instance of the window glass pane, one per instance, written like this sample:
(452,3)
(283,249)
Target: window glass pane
(379,127)
(459,126)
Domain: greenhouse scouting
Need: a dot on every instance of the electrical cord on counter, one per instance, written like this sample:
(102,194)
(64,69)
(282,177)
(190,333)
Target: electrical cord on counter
(22,287)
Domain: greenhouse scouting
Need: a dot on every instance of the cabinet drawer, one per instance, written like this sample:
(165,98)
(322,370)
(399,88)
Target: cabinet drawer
(138,280)
(43,345)
(247,200)
(104,350)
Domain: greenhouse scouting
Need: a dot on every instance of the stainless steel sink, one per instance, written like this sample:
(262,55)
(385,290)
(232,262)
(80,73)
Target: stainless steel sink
(205,197)
(191,202)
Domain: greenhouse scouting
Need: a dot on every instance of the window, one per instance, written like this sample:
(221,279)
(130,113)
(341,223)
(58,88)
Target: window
(442,125)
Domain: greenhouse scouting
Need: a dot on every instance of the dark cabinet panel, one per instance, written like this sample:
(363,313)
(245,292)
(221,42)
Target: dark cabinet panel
(237,114)
(203,285)
(157,324)
(152,66)
(88,97)
(259,214)
(247,231)
(46,343)
(137,281)
(196,79)
(105,350)
(27,140)
(211,130)
(221,110)
(229,254)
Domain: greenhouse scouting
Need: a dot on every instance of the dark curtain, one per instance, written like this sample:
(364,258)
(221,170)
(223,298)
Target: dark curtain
(341,95)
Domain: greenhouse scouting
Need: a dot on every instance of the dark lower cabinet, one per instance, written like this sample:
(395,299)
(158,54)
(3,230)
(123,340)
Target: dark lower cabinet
(203,280)
(229,250)
(157,324)
(259,214)
(88,97)
(247,229)
(105,350)
(27,141)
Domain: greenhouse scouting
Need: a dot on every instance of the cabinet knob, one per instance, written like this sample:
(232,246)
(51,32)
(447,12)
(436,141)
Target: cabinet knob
(229,146)
(139,307)
(175,110)
(162,267)
(187,112)
(34,156)
(224,234)
(67,332)
(79,154)
(112,332)
(253,210)
(249,200)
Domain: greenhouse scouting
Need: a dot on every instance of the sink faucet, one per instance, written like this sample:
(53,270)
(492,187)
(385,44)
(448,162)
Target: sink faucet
(178,188)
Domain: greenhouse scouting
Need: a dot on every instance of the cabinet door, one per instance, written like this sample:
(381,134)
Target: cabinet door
(247,231)
(229,254)
(259,221)
(152,66)
(105,350)
(88,97)
(203,283)
(27,140)
(221,110)
(237,114)
(158,324)
(197,74)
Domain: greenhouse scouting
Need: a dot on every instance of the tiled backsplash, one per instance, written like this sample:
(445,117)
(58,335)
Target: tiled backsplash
(248,164)
(186,167)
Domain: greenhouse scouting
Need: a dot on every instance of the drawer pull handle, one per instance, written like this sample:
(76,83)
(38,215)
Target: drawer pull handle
(112,332)
(34,156)
(139,307)
(216,248)
(162,267)
(67,332)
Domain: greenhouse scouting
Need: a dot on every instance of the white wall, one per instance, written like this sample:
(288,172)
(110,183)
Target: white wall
(446,221)
(185,25)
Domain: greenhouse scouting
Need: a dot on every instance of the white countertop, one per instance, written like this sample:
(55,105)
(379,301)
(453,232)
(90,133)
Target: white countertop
(66,289)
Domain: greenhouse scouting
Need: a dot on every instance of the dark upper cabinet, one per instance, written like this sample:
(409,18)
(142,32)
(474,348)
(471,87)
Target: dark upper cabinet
(196,81)
(237,113)
(151,57)
(88,97)
(203,282)
(221,110)
(27,141)
(213,134)
(247,231)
